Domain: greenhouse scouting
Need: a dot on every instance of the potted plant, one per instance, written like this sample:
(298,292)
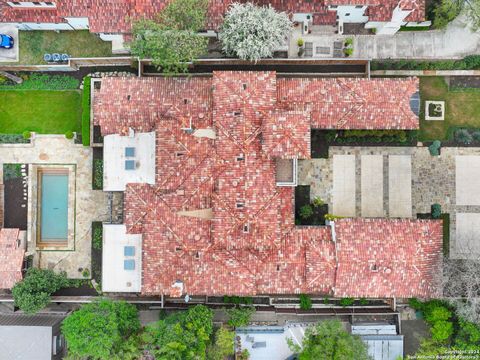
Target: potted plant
(301,49)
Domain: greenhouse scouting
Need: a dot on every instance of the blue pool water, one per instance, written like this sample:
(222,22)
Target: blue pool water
(54,207)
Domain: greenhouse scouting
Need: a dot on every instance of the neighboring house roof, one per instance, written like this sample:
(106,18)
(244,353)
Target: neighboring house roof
(11,258)
(215,222)
(117,16)
(28,337)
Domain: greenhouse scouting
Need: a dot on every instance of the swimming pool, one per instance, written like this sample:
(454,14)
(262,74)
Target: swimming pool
(53,205)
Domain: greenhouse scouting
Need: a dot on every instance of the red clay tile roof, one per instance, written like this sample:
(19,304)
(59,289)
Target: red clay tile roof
(11,258)
(388,258)
(343,103)
(245,242)
(286,135)
(117,16)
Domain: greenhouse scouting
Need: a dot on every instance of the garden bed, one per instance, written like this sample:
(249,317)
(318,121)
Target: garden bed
(97,169)
(97,244)
(302,200)
(321,140)
(15,206)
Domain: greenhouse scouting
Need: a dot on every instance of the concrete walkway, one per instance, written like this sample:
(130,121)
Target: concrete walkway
(90,205)
(456,41)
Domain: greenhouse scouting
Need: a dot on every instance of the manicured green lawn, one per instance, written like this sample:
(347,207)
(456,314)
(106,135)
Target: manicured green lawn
(462,108)
(42,111)
(34,44)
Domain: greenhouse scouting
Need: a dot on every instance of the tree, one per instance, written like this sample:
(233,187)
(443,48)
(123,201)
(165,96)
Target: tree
(472,8)
(102,330)
(34,291)
(224,345)
(172,40)
(182,335)
(329,340)
(445,11)
(239,316)
(251,32)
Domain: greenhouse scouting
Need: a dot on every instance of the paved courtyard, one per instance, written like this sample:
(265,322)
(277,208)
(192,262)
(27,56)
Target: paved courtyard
(412,181)
(90,205)
(432,44)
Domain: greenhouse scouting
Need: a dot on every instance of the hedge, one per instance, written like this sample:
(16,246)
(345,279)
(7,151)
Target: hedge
(44,82)
(13,139)
(86,111)
(471,62)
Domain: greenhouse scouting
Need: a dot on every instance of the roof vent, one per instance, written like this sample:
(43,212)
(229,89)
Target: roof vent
(237,113)
(244,85)
(240,205)
(129,97)
(185,101)
(374,267)
(246,228)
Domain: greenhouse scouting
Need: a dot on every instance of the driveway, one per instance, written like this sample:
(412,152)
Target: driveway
(9,55)
(456,41)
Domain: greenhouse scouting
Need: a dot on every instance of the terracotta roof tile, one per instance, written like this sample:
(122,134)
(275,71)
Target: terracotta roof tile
(388,258)
(245,242)
(343,103)
(11,258)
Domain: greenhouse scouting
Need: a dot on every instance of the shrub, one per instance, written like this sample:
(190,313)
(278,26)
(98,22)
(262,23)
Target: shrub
(306,211)
(239,316)
(86,111)
(224,346)
(434,148)
(237,300)
(305,302)
(86,273)
(463,136)
(252,32)
(69,134)
(348,41)
(101,329)
(363,301)
(476,135)
(12,171)
(416,304)
(13,139)
(331,217)
(317,202)
(33,292)
(27,134)
(326,300)
(348,52)
(300,42)
(98,174)
(436,210)
(442,330)
(45,82)
(438,313)
(97,235)
(347,301)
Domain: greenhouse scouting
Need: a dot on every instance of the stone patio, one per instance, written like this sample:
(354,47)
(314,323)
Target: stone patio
(433,180)
(90,205)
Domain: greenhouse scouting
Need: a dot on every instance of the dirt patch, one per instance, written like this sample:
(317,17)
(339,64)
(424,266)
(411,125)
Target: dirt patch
(414,332)
(465,82)
(15,205)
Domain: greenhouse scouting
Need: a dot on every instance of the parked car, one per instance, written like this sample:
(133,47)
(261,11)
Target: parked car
(6,41)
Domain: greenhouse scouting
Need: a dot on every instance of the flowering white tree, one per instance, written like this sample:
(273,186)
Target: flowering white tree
(251,32)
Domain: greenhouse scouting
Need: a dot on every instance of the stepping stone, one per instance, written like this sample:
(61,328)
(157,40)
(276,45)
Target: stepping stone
(23,205)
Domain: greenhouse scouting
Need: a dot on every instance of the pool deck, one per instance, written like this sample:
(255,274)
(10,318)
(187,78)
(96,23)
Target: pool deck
(90,205)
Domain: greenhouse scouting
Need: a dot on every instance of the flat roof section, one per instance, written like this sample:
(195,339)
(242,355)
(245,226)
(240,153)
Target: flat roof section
(128,159)
(467,178)
(372,185)
(344,185)
(400,186)
(122,259)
